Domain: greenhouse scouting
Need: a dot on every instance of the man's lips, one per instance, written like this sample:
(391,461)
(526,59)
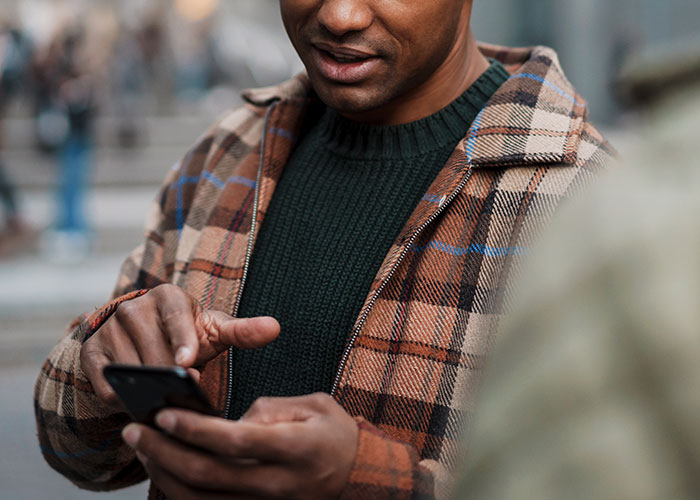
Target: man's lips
(343,64)
(343,50)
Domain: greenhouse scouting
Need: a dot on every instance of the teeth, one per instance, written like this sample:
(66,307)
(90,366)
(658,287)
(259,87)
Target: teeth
(346,59)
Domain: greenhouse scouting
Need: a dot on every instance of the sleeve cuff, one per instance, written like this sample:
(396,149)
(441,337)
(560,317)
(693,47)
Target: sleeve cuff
(385,468)
(99,317)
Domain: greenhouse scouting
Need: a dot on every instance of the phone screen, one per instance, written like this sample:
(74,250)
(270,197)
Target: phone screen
(145,390)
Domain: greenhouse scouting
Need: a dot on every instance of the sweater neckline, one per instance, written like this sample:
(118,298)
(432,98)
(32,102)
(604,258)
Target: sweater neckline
(442,129)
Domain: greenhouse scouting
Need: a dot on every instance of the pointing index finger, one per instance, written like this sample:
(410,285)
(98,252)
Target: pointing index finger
(178,324)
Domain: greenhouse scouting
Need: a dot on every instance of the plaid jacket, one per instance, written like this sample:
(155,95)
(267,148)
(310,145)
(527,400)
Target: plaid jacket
(414,355)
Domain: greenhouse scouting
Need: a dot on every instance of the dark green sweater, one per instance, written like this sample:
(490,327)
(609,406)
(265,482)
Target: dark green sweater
(341,202)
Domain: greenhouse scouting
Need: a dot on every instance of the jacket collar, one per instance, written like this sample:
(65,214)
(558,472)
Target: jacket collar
(536,117)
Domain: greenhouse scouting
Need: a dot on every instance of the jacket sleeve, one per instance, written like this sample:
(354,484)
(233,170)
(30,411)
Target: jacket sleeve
(387,468)
(78,435)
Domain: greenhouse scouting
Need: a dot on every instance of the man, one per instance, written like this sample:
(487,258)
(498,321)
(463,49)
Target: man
(593,390)
(374,209)
(65,83)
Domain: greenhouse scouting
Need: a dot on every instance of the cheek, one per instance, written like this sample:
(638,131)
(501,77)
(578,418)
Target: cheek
(423,33)
(294,13)
(294,7)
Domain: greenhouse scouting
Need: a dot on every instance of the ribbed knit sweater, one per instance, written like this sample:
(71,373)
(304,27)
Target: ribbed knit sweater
(341,202)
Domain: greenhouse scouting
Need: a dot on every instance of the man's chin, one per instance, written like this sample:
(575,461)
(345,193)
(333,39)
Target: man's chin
(350,101)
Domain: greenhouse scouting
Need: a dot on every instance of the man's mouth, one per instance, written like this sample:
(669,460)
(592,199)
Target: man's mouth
(345,59)
(344,53)
(344,64)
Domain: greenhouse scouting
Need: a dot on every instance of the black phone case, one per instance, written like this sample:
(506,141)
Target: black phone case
(145,390)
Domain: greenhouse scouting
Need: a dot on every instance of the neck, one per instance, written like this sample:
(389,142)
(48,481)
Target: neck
(462,67)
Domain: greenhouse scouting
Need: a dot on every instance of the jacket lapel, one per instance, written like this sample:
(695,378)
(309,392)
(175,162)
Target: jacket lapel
(286,109)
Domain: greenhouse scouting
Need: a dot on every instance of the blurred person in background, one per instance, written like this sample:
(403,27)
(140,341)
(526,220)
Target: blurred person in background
(374,207)
(141,76)
(67,106)
(199,69)
(129,80)
(15,61)
(593,390)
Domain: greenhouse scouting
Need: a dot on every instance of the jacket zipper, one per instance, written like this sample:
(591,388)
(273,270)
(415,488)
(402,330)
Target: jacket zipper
(249,251)
(375,297)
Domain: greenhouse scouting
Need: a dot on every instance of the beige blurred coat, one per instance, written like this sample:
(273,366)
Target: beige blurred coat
(594,392)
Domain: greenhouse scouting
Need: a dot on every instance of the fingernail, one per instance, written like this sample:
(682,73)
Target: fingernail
(166,421)
(183,353)
(131,435)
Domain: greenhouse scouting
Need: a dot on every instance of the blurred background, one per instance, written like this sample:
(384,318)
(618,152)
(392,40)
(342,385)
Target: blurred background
(98,98)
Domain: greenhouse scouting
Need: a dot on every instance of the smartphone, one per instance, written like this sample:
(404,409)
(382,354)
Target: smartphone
(145,390)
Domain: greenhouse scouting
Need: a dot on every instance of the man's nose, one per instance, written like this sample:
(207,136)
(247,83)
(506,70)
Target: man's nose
(345,16)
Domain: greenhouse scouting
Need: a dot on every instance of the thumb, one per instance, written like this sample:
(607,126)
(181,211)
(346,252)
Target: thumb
(224,331)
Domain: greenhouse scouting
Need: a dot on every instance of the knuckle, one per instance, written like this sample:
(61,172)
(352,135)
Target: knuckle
(172,302)
(320,402)
(240,442)
(261,405)
(172,314)
(199,472)
(91,358)
(280,489)
(321,399)
(265,401)
(128,309)
(167,291)
(106,396)
(163,288)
